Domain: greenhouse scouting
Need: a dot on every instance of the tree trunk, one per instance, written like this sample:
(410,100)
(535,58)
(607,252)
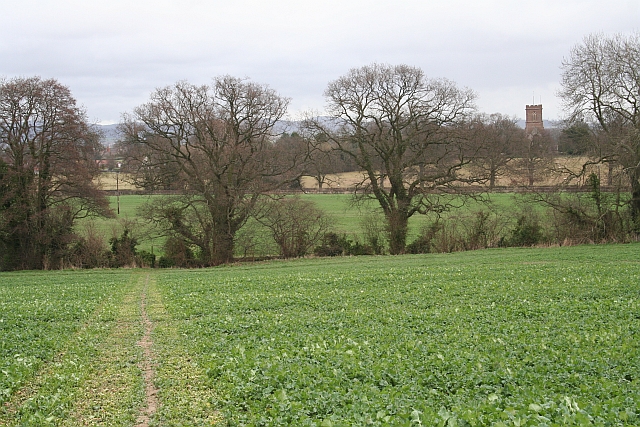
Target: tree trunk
(397,228)
(530,173)
(493,173)
(223,248)
(635,200)
(610,174)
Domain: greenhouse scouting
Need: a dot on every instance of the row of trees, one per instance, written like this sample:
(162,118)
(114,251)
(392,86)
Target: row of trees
(418,142)
(415,140)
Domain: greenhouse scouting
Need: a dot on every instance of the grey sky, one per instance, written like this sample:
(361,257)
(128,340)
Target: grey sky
(113,53)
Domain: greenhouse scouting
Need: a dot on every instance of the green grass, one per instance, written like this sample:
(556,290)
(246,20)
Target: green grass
(113,227)
(347,217)
(493,337)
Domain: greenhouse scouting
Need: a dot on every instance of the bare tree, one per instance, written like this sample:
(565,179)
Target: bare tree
(219,141)
(398,128)
(322,164)
(499,139)
(535,154)
(325,161)
(601,86)
(296,225)
(47,166)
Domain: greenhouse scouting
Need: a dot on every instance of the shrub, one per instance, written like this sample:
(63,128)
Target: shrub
(165,262)
(146,259)
(335,245)
(89,250)
(374,229)
(527,232)
(177,253)
(296,225)
(423,243)
(330,245)
(123,250)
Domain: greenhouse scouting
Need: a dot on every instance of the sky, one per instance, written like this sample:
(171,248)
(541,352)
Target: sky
(113,53)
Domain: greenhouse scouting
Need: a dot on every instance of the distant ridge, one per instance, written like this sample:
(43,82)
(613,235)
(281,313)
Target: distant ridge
(548,124)
(111,135)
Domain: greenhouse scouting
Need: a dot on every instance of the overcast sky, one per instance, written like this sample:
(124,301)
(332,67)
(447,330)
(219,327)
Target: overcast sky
(113,53)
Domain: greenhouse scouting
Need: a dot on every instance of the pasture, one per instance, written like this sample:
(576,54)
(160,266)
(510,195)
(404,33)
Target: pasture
(505,337)
(347,218)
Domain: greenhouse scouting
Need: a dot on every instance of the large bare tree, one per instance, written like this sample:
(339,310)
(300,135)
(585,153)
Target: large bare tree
(500,140)
(399,128)
(601,86)
(216,142)
(47,166)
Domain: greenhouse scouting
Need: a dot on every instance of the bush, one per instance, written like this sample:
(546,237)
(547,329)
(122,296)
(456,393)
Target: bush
(296,225)
(89,250)
(374,229)
(593,217)
(330,245)
(423,243)
(123,250)
(334,245)
(527,232)
(146,259)
(177,253)
(483,230)
(477,230)
(165,262)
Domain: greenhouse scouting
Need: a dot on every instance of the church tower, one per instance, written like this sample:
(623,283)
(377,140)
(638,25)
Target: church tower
(534,122)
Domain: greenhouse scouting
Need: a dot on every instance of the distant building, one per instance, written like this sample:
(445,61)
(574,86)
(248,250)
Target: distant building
(534,122)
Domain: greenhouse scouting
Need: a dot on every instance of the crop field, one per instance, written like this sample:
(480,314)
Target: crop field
(507,337)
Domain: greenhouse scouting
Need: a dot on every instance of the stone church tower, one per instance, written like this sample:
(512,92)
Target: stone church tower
(534,122)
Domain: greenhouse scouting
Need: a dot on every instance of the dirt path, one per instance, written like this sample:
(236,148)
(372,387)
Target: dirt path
(107,372)
(146,364)
(120,390)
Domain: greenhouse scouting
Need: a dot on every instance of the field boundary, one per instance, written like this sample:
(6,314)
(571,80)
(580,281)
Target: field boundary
(352,190)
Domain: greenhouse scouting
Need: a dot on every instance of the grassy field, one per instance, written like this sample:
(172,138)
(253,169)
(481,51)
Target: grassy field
(507,337)
(346,217)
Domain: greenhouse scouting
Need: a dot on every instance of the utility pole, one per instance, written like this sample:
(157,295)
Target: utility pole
(118,186)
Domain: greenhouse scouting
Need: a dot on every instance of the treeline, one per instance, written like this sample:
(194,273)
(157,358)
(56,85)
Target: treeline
(293,226)
(419,142)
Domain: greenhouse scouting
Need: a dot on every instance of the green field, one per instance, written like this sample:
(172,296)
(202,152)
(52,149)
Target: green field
(495,337)
(347,218)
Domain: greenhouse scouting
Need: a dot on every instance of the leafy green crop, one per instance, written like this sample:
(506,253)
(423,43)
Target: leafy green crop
(518,337)
(51,328)
(508,337)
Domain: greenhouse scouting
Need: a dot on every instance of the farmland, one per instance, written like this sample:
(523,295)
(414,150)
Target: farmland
(347,219)
(493,337)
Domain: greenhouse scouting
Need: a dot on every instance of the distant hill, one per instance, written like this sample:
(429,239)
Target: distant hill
(548,124)
(109,134)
